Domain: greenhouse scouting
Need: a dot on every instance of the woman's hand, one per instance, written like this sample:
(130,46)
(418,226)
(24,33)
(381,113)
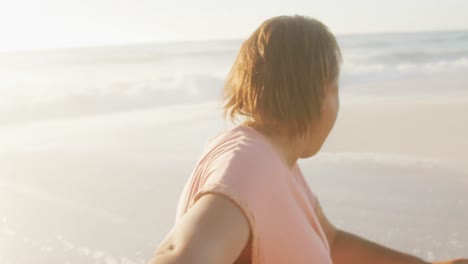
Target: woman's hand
(454,261)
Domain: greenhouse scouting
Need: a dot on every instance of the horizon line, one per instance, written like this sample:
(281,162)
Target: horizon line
(187,41)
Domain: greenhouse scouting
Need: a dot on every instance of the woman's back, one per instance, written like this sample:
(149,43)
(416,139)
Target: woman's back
(242,166)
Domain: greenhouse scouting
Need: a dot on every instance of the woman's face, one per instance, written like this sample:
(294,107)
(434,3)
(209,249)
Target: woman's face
(322,127)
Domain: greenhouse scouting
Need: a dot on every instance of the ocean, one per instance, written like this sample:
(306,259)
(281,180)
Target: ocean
(89,81)
(97,142)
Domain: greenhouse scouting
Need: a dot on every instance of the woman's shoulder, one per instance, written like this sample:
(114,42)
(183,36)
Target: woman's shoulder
(240,154)
(238,144)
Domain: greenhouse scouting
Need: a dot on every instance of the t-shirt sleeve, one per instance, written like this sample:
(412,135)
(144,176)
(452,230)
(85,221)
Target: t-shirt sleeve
(240,179)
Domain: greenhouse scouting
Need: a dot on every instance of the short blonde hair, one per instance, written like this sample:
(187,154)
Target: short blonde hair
(280,72)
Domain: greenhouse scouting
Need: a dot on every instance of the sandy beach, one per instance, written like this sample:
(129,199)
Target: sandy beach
(393,170)
(430,124)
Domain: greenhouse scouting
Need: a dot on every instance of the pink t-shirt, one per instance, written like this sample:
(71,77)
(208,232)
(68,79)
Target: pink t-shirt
(242,165)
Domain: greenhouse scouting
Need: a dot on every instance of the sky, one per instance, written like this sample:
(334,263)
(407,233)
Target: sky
(32,24)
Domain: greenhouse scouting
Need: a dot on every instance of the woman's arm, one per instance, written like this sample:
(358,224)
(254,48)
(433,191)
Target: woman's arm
(347,248)
(214,230)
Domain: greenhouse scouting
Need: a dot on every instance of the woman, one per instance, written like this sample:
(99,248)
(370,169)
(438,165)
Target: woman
(246,200)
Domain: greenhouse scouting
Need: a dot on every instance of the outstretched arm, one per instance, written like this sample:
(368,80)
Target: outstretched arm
(347,248)
(213,231)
